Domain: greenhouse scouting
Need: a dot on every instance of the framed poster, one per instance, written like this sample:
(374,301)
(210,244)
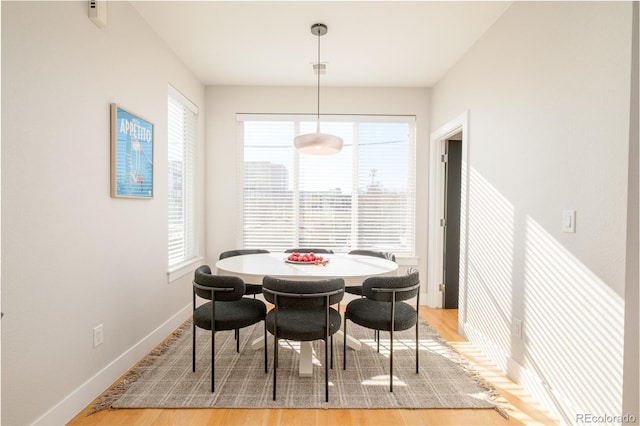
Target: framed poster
(131,155)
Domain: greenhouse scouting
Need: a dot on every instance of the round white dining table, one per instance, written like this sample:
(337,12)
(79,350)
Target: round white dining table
(352,268)
(348,266)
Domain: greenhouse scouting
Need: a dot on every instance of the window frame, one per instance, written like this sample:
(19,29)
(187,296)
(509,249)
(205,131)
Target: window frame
(355,120)
(183,264)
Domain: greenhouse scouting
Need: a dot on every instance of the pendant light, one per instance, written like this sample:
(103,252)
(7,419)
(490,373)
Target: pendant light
(318,143)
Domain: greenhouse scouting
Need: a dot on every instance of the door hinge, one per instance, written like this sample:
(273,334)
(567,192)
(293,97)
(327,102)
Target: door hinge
(443,222)
(441,287)
(444,158)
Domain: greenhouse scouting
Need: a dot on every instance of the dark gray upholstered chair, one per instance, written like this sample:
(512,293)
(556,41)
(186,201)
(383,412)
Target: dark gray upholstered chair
(302,312)
(249,288)
(357,289)
(383,308)
(228,310)
(309,250)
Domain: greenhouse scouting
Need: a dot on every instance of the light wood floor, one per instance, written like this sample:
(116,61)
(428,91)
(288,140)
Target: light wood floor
(520,407)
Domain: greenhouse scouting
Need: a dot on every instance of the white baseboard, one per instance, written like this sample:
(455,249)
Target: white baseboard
(76,401)
(531,382)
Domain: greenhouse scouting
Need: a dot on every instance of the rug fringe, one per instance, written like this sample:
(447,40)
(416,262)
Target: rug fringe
(468,367)
(502,412)
(106,400)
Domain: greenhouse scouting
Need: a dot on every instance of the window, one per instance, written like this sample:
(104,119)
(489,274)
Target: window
(362,197)
(182,134)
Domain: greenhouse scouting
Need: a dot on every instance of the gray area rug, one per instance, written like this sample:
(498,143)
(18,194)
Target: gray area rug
(164,379)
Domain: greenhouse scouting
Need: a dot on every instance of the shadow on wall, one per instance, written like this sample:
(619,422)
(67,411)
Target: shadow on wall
(570,351)
(489,265)
(574,339)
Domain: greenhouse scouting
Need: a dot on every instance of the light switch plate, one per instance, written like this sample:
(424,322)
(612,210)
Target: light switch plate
(569,221)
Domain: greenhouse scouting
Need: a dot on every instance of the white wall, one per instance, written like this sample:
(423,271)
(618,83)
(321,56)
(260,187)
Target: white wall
(631,390)
(547,92)
(222,156)
(73,257)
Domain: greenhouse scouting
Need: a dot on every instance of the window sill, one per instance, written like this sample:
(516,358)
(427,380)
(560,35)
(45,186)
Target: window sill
(407,261)
(182,269)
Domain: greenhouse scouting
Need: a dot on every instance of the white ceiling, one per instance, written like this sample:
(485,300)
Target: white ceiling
(369,43)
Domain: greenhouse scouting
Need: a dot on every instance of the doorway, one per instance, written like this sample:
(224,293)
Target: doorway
(447,249)
(452,163)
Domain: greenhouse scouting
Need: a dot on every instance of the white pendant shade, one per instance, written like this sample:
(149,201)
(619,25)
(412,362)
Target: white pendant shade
(318,144)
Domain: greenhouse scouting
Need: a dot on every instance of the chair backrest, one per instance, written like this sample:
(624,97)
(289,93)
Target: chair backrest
(241,252)
(406,286)
(293,294)
(226,288)
(309,250)
(382,254)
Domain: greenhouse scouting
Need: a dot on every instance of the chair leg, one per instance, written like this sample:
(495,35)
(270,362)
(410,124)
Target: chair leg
(326,369)
(344,345)
(417,351)
(378,339)
(265,347)
(391,362)
(213,359)
(237,340)
(275,364)
(193,360)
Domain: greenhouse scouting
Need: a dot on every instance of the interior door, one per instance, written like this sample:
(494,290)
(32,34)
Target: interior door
(451,257)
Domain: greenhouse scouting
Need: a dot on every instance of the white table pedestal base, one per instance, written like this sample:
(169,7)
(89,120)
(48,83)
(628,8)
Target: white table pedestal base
(306,351)
(305,368)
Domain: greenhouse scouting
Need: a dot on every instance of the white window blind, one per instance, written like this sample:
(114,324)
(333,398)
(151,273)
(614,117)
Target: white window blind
(360,198)
(182,134)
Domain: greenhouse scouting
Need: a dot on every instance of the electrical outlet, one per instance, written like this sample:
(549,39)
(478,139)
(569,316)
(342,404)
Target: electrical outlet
(517,328)
(98,335)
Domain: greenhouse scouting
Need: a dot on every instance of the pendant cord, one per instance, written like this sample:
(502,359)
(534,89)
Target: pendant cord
(318,77)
